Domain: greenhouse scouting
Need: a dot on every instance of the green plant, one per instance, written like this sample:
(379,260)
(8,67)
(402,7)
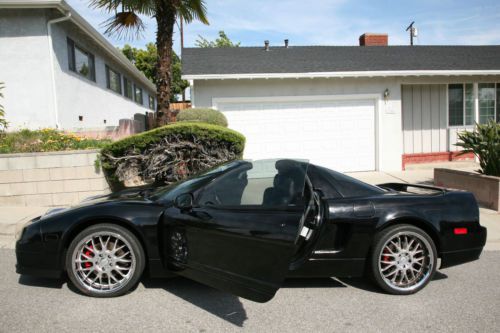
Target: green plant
(209,116)
(222,41)
(3,122)
(483,142)
(169,153)
(145,61)
(29,141)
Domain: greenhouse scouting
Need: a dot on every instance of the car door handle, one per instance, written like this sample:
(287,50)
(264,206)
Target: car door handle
(202,215)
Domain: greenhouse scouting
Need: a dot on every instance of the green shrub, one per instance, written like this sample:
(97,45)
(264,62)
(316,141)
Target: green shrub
(169,153)
(209,116)
(28,141)
(484,142)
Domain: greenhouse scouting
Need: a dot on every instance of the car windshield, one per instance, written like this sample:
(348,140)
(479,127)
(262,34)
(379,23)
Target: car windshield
(169,192)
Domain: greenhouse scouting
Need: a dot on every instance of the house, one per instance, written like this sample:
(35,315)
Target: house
(59,72)
(352,108)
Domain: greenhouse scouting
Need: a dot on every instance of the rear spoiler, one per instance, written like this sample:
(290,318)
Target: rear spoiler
(402,187)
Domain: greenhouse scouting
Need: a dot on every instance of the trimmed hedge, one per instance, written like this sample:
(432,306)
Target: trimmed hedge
(209,116)
(169,153)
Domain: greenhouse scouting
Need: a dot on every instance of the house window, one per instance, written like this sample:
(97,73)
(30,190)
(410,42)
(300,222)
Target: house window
(113,80)
(128,88)
(460,104)
(151,102)
(81,61)
(487,100)
(138,95)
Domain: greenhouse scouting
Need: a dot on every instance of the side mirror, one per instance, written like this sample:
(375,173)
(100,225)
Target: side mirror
(184,201)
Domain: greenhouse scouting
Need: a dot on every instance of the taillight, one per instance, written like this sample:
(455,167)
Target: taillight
(460,231)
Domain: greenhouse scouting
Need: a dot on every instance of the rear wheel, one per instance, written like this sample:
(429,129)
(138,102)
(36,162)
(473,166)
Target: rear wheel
(105,260)
(403,259)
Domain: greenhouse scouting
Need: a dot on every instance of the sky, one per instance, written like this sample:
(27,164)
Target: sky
(330,22)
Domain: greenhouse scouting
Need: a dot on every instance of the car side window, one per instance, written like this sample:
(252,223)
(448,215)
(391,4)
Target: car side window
(260,184)
(350,187)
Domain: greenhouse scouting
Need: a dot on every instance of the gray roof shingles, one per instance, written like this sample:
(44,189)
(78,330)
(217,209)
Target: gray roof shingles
(310,59)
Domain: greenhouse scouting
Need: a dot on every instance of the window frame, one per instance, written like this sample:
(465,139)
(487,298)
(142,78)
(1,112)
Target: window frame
(495,100)
(125,81)
(464,105)
(108,80)
(152,102)
(141,102)
(72,46)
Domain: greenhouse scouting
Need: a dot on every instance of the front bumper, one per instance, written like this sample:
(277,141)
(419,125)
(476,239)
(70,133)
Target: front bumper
(474,243)
(31,255)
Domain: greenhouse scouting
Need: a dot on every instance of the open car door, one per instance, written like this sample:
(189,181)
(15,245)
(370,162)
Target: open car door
(241,229)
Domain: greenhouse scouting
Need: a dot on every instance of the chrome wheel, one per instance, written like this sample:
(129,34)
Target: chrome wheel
(103,262)
(406,261)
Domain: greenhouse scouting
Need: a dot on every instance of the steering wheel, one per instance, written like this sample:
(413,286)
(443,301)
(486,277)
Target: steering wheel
(216,198)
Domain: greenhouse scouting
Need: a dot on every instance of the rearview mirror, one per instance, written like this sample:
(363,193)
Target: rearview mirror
(184,201)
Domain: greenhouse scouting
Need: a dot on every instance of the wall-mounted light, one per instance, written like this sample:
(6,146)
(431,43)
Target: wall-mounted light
(386,94)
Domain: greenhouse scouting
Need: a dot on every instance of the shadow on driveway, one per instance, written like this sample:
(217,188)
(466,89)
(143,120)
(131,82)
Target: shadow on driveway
(221,304)
(32,281)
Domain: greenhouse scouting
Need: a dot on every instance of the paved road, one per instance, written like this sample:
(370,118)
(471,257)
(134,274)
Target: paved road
(461,299)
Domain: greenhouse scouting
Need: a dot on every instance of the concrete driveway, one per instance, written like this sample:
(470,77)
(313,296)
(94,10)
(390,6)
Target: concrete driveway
(460,299)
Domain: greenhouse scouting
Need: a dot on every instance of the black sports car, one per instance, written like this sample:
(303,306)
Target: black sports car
(245,226)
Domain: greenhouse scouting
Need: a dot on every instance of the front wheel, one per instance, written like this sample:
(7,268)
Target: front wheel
(105,260)
(403,259)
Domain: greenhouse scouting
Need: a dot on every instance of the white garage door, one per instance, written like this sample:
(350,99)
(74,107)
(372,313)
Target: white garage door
(335,134)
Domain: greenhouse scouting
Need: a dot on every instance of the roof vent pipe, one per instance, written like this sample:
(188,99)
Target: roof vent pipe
(286,43)
(266,45)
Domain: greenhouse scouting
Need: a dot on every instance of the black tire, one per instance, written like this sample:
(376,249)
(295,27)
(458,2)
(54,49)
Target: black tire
(135,268)
(378,260)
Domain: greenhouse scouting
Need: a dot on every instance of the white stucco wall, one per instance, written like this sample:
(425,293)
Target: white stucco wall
(418,137)
(78,96)
(388,120)
(25,69)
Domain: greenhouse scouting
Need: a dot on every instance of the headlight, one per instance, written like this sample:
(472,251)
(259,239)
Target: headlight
(20,231)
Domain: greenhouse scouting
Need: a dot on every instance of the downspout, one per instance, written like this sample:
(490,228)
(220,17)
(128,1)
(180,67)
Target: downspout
(66,17)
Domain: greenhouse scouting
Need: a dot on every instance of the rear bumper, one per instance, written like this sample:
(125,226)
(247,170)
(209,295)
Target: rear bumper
(475,242)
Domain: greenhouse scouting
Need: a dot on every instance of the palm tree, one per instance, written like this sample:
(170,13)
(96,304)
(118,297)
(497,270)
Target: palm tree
(126,22)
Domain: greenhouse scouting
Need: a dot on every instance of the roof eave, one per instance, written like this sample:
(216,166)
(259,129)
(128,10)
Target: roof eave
(339,74)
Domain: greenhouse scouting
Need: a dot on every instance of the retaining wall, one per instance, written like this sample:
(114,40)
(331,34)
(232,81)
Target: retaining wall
(50,179)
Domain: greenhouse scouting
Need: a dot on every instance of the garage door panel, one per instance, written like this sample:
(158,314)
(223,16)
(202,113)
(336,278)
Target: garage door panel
(335,134)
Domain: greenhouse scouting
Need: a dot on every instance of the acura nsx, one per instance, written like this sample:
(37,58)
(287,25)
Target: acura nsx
(245,226)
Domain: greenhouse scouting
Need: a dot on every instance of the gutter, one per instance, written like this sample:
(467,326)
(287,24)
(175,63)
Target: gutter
(312,75)
(66,17)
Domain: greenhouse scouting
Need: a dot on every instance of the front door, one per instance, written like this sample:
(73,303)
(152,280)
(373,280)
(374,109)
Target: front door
(242,231)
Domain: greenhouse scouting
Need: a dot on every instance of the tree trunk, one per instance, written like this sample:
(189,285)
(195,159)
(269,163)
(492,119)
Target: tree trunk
(165,19)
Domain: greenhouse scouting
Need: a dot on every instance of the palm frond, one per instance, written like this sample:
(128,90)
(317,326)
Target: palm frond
(142,7)
(124,25)
(191,10)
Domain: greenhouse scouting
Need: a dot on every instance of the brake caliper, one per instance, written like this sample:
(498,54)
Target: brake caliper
(89,254)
